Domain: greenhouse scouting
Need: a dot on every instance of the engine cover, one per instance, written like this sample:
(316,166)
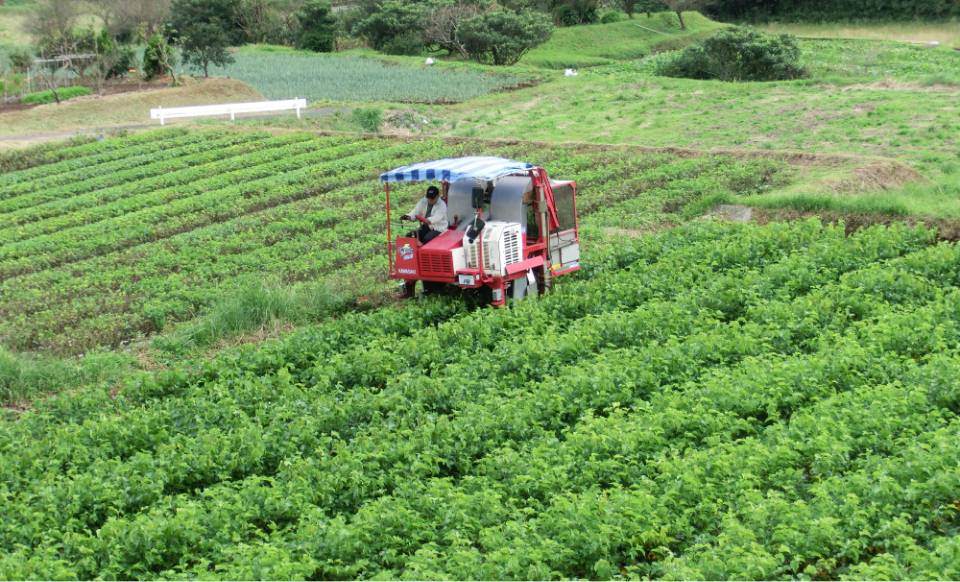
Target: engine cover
(501,245)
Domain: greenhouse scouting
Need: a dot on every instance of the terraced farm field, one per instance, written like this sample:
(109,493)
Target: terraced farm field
(712,401)
(105,242)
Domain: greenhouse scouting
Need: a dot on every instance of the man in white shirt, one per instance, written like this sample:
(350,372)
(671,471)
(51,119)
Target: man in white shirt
(431,211)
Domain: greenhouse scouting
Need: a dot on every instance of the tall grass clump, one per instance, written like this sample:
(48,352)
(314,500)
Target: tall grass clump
(252,307)
(369,120)
(25,376)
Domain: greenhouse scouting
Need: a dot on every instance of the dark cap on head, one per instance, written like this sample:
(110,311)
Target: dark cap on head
(433,192)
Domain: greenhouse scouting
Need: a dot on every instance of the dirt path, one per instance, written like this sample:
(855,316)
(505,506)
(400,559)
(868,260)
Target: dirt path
(28,139)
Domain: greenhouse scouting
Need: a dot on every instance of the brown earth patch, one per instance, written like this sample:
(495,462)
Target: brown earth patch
(18,408)
(947,230)
(880,175)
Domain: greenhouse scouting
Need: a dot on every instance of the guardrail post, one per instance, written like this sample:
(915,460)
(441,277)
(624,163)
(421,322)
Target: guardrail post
(232,114)
(298,108)
(161,114)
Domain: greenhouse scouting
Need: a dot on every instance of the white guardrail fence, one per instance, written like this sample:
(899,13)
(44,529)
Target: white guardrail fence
(231,109)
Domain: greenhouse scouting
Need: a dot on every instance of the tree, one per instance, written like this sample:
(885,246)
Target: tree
(222,14)
(123,18)
(204,29)
(442,28)
(51,23)
(394,26)
(318,26)
(631,7)
(203,44)
(502,37)
(110,60)
(679,6)
(270,21)
(573,12)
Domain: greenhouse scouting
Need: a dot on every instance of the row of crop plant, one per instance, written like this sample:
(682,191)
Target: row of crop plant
(720,401)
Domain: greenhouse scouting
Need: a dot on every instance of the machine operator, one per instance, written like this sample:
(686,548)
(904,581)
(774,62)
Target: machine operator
(431,211)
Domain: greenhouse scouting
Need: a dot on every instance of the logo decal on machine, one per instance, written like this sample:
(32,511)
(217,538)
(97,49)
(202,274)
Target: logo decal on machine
(406,252)
(407,271)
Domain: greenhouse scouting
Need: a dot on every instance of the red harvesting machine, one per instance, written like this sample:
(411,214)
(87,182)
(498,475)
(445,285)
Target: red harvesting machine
(511,228)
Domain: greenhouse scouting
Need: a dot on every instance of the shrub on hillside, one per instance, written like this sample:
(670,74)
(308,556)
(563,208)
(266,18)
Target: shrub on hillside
(738,54)
(503,36)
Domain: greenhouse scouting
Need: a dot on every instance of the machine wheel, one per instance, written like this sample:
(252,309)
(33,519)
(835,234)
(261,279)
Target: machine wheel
(480,297)
(538,275)
(433,288)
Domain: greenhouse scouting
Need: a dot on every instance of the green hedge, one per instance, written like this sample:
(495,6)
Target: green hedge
(42,97)
(822,10)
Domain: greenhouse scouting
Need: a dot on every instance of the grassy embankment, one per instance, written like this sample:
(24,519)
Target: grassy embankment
(601,44)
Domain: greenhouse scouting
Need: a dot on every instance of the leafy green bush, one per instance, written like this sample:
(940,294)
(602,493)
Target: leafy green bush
(43,97)
(738,54)
(502,37)
(369,120)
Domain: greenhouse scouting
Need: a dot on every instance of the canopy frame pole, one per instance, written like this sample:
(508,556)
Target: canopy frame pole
(386,189)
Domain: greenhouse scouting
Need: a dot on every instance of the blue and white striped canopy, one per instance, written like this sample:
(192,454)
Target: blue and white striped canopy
(453,169)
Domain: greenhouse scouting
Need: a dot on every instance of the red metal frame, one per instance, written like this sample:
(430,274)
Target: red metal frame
(535,254)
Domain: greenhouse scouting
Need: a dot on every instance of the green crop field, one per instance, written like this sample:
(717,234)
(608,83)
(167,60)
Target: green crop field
(285,74)
(709,402)
(105,242)
(205,374)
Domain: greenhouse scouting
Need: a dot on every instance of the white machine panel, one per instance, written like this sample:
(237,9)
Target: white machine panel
(502,246)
